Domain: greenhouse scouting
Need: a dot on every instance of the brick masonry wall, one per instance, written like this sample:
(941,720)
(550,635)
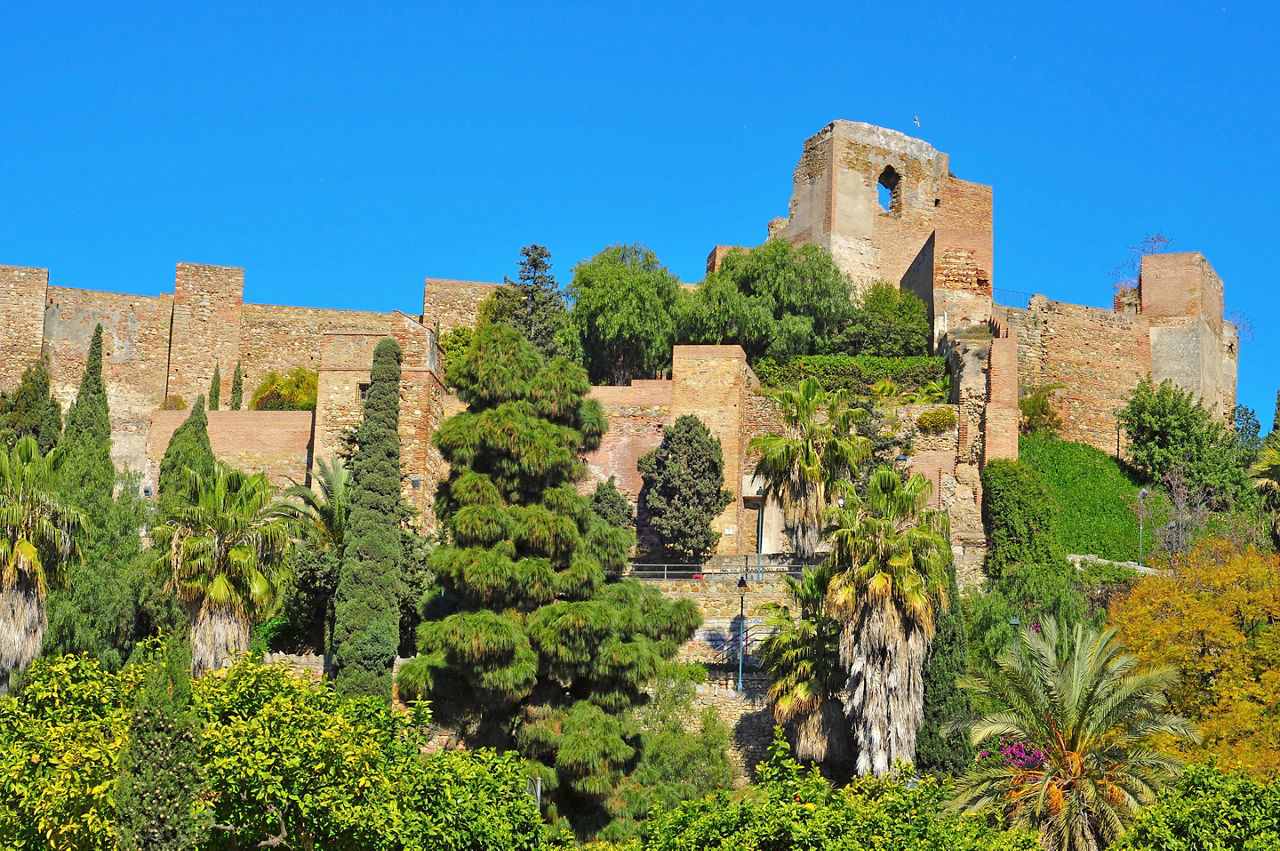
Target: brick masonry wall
(206,326)
(1097,355)
(277,443)
(135,349)
(22,292)
(281,339)
(453,303)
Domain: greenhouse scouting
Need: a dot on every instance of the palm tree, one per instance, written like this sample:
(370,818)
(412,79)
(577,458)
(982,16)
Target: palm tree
(222,547)
(802,658)
(890,556)
(818,448)
(37,538)
(1083,716)
(1266,478)
(322,512)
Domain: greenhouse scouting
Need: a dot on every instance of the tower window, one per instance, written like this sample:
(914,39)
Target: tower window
(888,191)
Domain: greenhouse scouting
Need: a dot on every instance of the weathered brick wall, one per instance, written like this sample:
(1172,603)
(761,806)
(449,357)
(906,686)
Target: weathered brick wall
(962,290)
(637,415)
(717,255)
(1097,355)
(277,443)
(1001,417)
(206,326)
(22,292)
(452,303)
(135,358)
(280,339)
(834,202)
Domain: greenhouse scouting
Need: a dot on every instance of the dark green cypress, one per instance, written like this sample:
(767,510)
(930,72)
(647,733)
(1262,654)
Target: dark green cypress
(684,489)
(89,473)
(188,449)
(611,506)
(215,387)
(944,701)
(366,629)
(160,773)
(237,388)
(32,410)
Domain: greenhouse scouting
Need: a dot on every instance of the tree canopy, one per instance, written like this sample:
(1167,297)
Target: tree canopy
(621,320)
(683,490)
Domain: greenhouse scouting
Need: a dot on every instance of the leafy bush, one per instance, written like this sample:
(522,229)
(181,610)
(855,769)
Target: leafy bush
(173,403)
(856,373)
(1096,496)
(1209,809)
(1035,404)
(294,391)
(791,809)
(936,420)
(885,322)
(283,757)
(1021,517)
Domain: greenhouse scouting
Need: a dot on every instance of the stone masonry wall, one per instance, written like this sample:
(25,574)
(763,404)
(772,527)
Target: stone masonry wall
(22,292)
(206,327)
(450,304)
(135,358)
(277,443)
(1097,356)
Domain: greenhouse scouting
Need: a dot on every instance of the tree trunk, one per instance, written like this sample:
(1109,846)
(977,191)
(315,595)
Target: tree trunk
(885,702)
(22,625)
(217,634)
(822,735)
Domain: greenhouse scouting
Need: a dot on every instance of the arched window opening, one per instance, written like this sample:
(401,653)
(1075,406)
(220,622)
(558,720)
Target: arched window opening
(887,191)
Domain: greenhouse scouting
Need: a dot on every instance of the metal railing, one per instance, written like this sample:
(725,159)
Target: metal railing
(738,643)
(659,571)
(1011,298)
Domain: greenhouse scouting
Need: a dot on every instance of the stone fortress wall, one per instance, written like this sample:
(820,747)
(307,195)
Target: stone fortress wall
(934,238)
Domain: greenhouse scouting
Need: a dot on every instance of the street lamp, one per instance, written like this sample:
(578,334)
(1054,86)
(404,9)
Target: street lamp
(1014,622)
(742,626)
(1142,510)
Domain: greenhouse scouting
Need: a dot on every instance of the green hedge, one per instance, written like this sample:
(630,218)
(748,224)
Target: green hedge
(1095,494)
(852,372)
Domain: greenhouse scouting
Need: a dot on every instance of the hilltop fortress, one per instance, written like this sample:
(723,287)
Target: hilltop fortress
(932,236)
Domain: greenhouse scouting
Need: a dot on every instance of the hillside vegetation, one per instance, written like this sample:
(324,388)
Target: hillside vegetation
(1095,493)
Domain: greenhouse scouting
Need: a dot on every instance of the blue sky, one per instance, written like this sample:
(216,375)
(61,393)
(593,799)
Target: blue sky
(341,154)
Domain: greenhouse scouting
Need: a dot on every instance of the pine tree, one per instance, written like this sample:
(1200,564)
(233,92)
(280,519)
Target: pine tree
(215,387)
(237,388)
(31,410)
(944,700)
(188,449)
(160,773)
(541,652)
(684,489)
(366,629)
(533,304)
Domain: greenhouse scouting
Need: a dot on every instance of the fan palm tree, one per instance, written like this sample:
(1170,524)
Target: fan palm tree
(222,547)
(1088,714)
(321,512)
(818,447)
(802,658)
(38,536)
(890,559)
(1266,478)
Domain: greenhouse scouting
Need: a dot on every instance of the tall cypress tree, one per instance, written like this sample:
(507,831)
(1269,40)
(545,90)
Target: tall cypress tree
(111,600)
(684,489)
(366,630)
(944,701)
(188,449)
(160,771)
(215,387)
(237,388)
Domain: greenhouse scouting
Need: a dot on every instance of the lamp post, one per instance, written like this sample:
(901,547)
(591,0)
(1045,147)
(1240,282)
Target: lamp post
(760,536)
(1142,510)
(1014,622)
(742,626)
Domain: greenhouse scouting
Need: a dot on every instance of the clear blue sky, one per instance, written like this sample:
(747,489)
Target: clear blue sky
(342,155)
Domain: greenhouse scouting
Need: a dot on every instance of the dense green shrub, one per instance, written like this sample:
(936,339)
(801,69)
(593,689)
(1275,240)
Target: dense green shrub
(1209,809)
(294,391)
(856,373)
(938,751)
(366,609)
(284,758)
(936,420)
(31,409)
(237,388)
(885,322)
(215,388)
(1021,517)
(1037,414)
(611,506)
(684,489)
(791,810)
(1096,496)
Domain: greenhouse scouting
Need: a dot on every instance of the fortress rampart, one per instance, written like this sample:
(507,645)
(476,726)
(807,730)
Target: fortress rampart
(933,236)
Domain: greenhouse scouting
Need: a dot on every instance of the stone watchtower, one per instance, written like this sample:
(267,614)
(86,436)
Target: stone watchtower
(888,208)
